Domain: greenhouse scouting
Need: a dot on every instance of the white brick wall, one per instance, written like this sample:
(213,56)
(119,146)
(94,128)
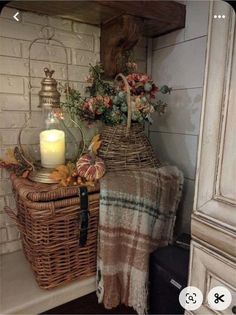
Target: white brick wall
(82,43)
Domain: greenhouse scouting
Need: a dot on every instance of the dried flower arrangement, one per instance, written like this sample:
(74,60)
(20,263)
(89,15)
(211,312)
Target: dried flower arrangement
(107,102)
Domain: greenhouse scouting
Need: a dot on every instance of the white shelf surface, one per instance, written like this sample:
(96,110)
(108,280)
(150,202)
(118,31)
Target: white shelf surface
(20,294)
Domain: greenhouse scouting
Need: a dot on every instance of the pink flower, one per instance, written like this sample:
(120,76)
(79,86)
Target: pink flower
(99,98)
(144,78)
(90,105)
(107,101)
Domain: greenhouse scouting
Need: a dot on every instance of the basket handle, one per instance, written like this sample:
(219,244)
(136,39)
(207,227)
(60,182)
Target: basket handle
(12,214)
(128,101)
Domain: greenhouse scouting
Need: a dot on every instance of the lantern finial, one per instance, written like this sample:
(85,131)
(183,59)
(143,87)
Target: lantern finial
(49,95)
(48,72)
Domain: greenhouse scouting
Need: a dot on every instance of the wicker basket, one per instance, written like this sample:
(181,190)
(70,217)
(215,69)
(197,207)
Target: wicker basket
(50,218)
(126,147)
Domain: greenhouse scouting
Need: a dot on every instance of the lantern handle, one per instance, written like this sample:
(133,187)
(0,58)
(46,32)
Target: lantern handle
(19,144)
(48,34)
(82,135)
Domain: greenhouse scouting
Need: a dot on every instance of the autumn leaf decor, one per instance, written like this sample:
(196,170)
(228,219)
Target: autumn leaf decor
(9,162)
(95,144)
(15,162)
(66,175)
(88,169)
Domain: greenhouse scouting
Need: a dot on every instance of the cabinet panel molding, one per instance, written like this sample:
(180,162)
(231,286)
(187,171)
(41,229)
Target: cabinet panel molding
(226,166)
(215,195)
(214,236)
(208,269)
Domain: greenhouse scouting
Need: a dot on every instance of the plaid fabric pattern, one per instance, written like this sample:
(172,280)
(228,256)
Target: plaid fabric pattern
(137,214)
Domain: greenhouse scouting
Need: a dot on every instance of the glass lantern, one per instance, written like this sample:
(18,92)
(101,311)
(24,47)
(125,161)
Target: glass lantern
(46,141)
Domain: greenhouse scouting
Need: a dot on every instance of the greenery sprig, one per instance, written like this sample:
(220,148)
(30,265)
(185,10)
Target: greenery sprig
(97,85)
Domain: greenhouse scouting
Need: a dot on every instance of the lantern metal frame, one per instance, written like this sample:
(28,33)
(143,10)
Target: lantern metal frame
(40,174)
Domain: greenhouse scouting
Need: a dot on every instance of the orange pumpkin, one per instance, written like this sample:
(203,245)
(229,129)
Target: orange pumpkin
(90,167)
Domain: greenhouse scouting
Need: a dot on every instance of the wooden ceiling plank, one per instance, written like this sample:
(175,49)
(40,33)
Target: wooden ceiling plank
(83,11)
(170,15)
(162,11)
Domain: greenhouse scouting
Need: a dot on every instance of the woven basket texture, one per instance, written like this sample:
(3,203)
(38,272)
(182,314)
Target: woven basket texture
(122,152)
(126,147)
(48,217)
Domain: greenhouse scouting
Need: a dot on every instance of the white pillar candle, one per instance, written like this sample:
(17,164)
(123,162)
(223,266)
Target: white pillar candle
(52,148)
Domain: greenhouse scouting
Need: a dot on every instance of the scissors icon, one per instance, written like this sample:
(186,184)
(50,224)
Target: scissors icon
(218,298)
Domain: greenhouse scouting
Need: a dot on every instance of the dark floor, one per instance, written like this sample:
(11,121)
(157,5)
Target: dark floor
(88,305)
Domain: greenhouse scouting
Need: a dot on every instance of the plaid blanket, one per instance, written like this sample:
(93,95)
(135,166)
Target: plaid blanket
(137,214)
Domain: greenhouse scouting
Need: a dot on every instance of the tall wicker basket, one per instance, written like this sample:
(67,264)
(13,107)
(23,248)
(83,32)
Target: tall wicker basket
(55,238)
(126,147)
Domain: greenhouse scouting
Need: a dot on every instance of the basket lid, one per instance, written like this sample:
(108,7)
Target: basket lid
(38,192)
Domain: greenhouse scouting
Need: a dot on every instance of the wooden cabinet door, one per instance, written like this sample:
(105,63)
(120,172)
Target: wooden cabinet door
(213,226)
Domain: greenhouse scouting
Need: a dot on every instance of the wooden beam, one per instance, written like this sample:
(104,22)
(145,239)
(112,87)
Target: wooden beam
(117,37)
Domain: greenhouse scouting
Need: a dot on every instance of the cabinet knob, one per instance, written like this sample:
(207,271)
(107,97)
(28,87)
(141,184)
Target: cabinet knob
(234,309)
